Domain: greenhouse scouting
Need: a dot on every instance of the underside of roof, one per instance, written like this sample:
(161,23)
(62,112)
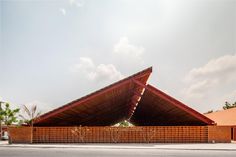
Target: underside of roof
(129,99)
(104,107)
(159,109)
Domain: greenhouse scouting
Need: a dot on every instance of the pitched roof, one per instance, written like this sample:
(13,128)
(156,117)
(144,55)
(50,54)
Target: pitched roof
(129,99)
(106,106)
(224,117)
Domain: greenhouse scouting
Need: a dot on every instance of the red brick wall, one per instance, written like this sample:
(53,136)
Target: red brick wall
(19,134)
(152,134)
(138,134)
(219,134)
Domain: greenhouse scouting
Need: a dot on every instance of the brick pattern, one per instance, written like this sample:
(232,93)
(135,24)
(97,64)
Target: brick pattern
(147,134)
(19,134)
(219,134)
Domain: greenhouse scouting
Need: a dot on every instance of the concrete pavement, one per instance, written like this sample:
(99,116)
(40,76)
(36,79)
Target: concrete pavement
(106,152)
(200,146)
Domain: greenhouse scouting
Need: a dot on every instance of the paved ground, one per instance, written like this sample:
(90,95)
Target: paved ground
(106,152)
(201,146)
(129,150)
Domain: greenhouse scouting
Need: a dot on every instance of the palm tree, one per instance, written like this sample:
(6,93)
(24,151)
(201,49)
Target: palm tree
(32,115)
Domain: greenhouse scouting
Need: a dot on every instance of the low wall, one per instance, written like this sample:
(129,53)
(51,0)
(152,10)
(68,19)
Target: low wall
(219,134)
(19,134)
(156,134)
(137,134)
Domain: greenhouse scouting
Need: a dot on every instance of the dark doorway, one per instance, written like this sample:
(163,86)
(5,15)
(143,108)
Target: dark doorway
(232,133)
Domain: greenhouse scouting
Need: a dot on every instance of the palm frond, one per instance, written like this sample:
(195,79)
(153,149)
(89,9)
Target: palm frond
(33,111)
(22,117)
(26,110)
(38,114)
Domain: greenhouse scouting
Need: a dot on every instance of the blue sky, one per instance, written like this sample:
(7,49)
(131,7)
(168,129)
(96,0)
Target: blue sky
(53,52)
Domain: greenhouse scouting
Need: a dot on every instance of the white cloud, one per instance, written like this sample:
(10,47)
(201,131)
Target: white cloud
(85,64)
(210,85)
(214,75)
(124,48)
(72,3)
(125,54)
(63,11)
(221,68)
(128,55)
(105,72)
(101,72)
(76,3)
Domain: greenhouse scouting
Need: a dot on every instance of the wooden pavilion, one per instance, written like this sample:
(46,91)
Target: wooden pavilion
(157,117)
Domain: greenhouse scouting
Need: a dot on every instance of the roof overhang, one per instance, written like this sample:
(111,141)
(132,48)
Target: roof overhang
(106,106)
(129,99)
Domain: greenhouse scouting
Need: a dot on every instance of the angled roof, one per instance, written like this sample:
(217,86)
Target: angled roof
(158,108)
(224,117)
(129,99)
(106,106)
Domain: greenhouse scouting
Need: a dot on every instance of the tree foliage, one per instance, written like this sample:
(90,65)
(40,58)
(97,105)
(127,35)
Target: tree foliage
(124,124)
(210,111)
(228,105)
(8,115)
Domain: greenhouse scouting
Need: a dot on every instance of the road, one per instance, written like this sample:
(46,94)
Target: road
(99,152)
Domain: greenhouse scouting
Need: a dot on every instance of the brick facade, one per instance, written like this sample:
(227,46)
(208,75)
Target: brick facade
(138,134)
(219,134)
(19,134)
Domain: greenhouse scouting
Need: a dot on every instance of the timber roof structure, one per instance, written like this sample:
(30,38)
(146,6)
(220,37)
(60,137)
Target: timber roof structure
(129,99)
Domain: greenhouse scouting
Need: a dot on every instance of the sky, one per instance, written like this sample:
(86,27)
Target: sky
(55,51)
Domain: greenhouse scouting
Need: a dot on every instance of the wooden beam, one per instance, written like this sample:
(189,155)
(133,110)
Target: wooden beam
(139,83)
